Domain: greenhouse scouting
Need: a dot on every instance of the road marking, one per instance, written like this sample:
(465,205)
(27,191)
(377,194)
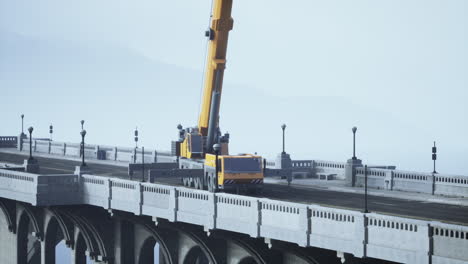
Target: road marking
(388,204)
(50,168)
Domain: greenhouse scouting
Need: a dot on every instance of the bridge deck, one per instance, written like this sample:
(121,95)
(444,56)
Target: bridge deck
(303,194)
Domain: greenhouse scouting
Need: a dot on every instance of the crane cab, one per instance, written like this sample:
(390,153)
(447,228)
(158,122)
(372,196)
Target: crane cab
(234,172)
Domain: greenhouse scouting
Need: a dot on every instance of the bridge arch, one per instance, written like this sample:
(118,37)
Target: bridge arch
(9,220)
(197,250)
(55,230)
(28,235)
(87,238)
(148,240)
(195,256)
(248,260)
(252,255)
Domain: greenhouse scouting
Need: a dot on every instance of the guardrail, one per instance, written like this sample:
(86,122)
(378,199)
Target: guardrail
(409,181)
(99,152)
(373,235)
(8,142)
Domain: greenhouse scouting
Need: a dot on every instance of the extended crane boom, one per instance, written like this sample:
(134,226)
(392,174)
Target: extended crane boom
(220,171)
(221,24)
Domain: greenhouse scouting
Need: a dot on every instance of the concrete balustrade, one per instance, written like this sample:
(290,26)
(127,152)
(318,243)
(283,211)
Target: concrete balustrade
(409,181)
(398,239)
(101,152)
(373,235)
(341,229)
(160,201)
(8,142)
(447,242)
(284,221)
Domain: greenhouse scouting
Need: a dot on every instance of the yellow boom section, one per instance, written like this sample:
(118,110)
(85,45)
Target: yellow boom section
(221,24)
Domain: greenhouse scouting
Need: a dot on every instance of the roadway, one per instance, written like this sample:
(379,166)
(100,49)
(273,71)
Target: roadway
(295,193)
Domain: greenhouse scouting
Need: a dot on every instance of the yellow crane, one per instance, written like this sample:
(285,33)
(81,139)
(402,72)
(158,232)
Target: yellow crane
(195,144)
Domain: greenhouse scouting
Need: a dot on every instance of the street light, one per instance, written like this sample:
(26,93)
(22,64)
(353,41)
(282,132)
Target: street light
(283,127)
(434,157)
(82,123)
(136,137)
(30,129)
(83,134)
(365,185)
(22,125)
(217,148)
(365,189)
(354,142)
(51,130)
(142,163)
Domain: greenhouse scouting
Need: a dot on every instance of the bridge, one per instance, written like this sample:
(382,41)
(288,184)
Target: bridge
(106,212)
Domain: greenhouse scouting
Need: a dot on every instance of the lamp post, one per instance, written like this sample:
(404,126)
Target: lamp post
(136,137)
(51,130)
(82,123)
(83,134)
(365,185)
(217,148)
(142,163)
(283,126)
(354,129)
(22,125)
(30,129)
(434,157)
(365,190)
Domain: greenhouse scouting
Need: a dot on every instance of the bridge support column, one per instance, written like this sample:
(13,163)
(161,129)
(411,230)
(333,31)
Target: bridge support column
(124,242)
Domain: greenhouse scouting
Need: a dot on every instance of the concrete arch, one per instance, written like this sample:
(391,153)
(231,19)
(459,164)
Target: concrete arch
(27,248)
(146,250)
(79,252)
(198,246)
(85,232)
(9,220)
(66,227)
(23,211)
(51,231)
(298,255)
(254,256)
(248,260)
(195,256)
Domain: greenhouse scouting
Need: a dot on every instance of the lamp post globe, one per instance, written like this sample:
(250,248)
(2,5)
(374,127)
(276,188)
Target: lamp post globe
(82,123)
(217,148)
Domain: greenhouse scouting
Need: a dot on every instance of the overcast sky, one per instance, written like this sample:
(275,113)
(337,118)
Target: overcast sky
(396,69)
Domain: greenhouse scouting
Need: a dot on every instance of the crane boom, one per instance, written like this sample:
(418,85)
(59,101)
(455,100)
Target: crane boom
(221,24)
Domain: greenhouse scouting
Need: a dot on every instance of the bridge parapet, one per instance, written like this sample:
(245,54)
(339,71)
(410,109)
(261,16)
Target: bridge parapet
(8,142)
(410,181)
(447,242)
(92,151)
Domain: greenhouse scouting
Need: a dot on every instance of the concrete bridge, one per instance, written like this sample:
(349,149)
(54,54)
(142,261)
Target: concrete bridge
(94,213)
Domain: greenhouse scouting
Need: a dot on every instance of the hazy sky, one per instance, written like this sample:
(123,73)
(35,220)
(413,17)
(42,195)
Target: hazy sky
(396,69)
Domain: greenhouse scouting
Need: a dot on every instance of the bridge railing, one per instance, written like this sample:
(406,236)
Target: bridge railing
(8,142)
(410,181)
(100,152)
(20,186)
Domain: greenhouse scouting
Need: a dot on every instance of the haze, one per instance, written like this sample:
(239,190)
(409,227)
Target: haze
(397,70)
